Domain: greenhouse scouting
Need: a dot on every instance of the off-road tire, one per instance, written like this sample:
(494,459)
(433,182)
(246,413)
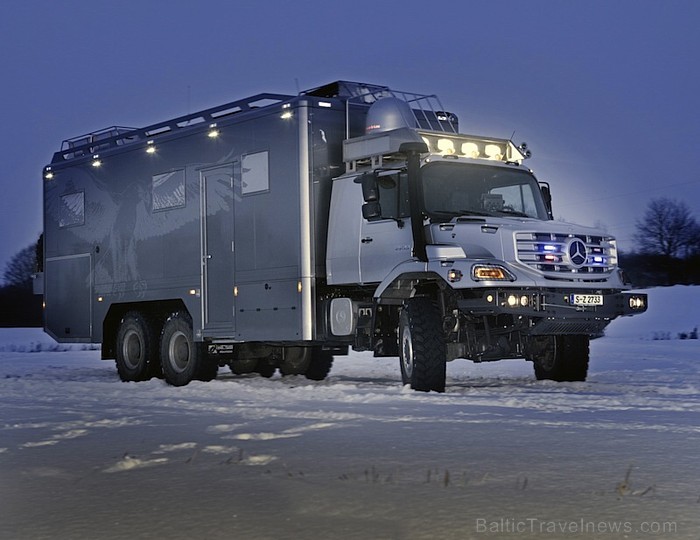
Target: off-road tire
(320,365)
(563,359)
(137,348)
(296,361)
(422,348)
(183,359)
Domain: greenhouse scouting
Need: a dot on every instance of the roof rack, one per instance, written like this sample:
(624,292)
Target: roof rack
(116,136)
(427,109)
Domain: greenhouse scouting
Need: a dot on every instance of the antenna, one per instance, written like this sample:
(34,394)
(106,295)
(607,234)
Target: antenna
(296,82)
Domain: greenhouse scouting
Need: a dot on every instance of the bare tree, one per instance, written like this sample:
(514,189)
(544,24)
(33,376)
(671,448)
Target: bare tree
(18,272)
(667,228)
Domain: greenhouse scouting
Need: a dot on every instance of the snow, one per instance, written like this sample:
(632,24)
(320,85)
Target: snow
(499,455)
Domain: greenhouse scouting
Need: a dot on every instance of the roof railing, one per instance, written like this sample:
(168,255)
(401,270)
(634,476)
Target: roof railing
(115,136)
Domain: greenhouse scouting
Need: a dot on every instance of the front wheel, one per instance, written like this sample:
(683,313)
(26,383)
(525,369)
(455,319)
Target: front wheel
(182,358)
(320,365)
(422,348)
(560,358)
(296,360)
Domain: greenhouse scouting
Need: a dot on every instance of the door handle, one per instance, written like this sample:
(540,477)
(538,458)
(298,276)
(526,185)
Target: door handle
(366,240)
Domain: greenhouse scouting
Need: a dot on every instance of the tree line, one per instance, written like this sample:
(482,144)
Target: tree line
(668,246)
(667,239)
(19,306)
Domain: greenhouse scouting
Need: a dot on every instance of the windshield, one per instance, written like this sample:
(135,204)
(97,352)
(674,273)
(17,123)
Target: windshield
(456,189)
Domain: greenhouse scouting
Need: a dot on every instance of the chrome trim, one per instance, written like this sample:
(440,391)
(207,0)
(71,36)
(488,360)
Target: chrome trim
(307,302)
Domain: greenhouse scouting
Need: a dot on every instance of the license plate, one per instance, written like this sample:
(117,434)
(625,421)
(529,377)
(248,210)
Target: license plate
(586,299)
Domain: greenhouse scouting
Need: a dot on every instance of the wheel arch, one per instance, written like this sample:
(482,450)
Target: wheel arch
(393,293)
(408,280)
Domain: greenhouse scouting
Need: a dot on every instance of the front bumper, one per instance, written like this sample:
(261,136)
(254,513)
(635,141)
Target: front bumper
(554,311)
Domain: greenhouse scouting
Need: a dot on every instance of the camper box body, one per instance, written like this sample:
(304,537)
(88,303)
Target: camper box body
(226,217)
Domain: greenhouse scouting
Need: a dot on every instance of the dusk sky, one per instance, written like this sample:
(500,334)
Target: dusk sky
(606,93)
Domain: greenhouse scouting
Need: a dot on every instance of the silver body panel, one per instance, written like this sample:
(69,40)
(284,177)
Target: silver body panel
(191,222)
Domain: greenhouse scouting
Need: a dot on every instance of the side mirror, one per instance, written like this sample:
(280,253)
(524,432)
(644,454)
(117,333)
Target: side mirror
(547,196)
(370,191)
(372,211)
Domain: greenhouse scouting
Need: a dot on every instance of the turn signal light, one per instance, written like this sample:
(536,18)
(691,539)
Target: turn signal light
(491,272)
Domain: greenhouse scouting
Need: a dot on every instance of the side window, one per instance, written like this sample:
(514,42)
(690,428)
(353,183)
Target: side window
(393,195)
(255,173)
(518,198)
(72,212)
(169,190)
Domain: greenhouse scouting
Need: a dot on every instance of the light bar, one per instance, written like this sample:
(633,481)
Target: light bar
(473,147)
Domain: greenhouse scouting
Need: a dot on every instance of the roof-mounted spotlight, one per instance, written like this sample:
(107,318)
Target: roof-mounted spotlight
(96,162)
(150,147)
(493,151)
(470,149)
(524,150)
(286,112)
(48,173)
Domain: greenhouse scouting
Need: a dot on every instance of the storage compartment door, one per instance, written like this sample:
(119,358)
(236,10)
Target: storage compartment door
(68,312)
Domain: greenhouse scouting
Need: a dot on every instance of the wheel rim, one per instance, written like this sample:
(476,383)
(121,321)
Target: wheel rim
(132,349)
(179,351)
(407,352)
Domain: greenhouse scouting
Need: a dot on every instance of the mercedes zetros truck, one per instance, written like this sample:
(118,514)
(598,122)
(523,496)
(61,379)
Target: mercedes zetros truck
(279,231)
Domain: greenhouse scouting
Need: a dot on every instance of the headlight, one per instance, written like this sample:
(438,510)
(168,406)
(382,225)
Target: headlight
(637,302)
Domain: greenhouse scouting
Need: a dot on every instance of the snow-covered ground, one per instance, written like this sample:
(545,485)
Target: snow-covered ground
(499,455)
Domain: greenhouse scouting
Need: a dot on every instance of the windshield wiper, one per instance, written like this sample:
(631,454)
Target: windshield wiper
(458,213)
(512,212)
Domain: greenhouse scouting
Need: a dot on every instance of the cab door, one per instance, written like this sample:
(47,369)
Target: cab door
(383,245)
(388,242)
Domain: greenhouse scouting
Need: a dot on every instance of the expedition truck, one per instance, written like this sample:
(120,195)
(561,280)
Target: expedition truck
(279,231)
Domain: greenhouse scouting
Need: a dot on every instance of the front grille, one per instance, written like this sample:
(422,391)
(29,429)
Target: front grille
(567,256)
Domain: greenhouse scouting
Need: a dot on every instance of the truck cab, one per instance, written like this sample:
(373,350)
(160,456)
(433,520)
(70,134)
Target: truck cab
(457,236)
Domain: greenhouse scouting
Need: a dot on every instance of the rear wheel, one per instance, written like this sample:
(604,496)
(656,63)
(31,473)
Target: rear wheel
(422,348)
(137,348)
(182,358)
(560,358)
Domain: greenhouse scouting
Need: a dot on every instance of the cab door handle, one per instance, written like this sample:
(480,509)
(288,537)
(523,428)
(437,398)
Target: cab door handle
(366,240)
